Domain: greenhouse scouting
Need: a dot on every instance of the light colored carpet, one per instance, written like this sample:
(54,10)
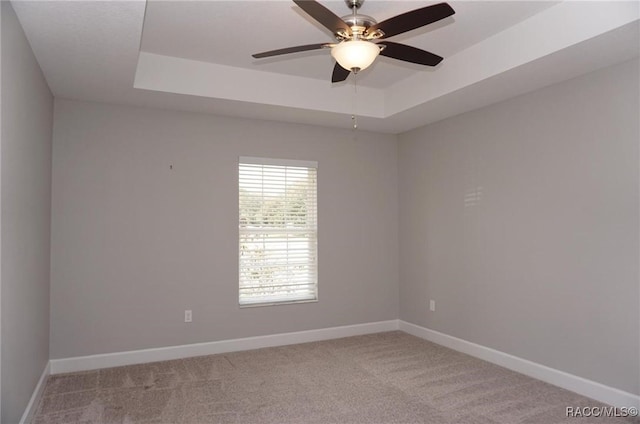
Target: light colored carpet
(379,378)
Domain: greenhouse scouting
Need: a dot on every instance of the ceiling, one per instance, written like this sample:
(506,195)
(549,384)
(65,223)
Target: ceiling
(196,56)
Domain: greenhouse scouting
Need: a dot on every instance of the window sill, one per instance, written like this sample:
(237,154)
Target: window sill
(291,302)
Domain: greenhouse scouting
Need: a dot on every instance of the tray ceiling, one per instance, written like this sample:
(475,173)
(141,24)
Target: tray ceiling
(196,56)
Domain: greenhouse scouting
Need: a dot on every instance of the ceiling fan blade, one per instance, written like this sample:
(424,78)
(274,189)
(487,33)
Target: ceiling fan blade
(409,54)
(413,19)
(339,73)
(291,50)
(327,18)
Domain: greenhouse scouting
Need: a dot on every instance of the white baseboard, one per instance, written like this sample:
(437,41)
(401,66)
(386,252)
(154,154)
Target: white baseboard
(589,388)
(30,410)
(108,360)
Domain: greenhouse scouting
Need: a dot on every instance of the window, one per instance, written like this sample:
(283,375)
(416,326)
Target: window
(278,230)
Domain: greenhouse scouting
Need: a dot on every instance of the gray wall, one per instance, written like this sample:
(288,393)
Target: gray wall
(521,221)
(27,119)
(134,243)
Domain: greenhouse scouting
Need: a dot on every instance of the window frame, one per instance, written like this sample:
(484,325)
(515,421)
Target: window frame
(313,263)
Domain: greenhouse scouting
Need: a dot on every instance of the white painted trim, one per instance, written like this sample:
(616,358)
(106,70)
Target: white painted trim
(30,410)
(278,162)
(589,388)
(107,360)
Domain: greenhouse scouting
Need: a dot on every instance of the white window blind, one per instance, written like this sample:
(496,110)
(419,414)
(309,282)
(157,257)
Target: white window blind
(278,230)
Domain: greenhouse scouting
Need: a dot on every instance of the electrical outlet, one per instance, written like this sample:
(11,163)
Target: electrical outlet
(188,315)
(432,305)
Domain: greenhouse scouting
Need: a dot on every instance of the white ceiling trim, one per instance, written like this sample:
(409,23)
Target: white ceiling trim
(191,77)
(552,30)
(91,50)
(615,46)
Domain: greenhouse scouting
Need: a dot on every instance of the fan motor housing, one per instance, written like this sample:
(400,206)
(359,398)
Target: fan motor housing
(359,24)
(359,20)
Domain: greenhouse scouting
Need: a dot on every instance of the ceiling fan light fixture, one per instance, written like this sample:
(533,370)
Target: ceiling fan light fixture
(355,55)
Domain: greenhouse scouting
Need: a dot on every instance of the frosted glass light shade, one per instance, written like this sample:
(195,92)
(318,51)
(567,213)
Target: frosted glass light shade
(356,54)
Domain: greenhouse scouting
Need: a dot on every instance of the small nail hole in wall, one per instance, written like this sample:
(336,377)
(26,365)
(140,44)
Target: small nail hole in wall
(171,166)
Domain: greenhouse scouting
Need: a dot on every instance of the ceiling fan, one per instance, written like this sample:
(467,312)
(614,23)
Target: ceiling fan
(357,36)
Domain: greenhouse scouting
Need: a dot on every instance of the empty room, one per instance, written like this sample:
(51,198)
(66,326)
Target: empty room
(332,211)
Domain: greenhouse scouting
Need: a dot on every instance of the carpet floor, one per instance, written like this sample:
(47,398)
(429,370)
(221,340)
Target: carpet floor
(378,378)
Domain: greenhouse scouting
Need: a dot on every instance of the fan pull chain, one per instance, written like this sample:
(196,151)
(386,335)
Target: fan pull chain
(354,117)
